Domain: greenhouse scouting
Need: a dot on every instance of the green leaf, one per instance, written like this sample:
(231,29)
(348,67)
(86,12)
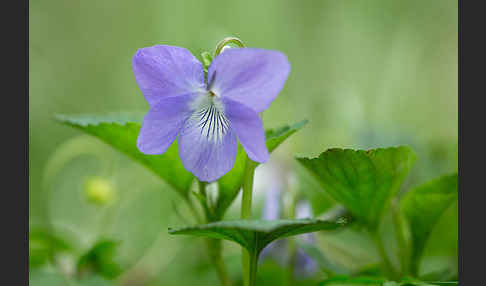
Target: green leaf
(320,201)
(43,245)
(120,131)
(275,137)
(229,185)
(424,207)
(99,259)
(363,181)
(254,235)
(394,233)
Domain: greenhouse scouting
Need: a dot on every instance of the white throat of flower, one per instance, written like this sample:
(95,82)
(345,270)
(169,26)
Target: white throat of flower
(208,116)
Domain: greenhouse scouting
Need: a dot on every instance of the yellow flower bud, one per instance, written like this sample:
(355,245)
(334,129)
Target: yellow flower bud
(99,190)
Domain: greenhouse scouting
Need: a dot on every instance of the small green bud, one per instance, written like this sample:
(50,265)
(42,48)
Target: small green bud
(99,191)
(206,59)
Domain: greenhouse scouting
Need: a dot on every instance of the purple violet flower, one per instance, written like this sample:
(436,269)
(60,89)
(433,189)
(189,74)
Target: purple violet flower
(207,116)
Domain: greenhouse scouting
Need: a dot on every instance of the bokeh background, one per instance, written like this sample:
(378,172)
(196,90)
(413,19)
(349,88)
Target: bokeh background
(365,74)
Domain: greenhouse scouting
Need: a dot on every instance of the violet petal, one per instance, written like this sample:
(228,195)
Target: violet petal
(249,128)
(163,70)
(253,77)
(163,122)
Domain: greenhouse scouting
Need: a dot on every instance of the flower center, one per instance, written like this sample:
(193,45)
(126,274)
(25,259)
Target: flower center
(209,118)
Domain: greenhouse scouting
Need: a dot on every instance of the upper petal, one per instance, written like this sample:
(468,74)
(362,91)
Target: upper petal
(207,145)
(250,76)
(167,71)
(249,128)
(163,122)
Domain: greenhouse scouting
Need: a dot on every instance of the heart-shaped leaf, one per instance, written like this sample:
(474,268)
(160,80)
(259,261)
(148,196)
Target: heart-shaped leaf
(254,235)
(121,131)
(424,207)
(230,184)
(363,181)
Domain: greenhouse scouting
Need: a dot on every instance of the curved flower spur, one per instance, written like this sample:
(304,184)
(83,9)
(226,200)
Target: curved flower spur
(207,116)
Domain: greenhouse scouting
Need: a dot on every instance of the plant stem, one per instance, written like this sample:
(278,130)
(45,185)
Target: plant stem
(202,187)
(245,261)
(291,246)
(215,248)
(387,265)
(400,231)
(215,252)
(253,267)
(292,249)
(205,204)
(193,209)
(246,214)
(247,188)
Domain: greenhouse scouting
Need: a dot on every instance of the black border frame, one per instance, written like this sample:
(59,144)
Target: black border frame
(15,159)
(471,154)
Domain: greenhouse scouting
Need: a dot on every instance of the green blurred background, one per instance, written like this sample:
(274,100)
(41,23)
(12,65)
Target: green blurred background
(365,74)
